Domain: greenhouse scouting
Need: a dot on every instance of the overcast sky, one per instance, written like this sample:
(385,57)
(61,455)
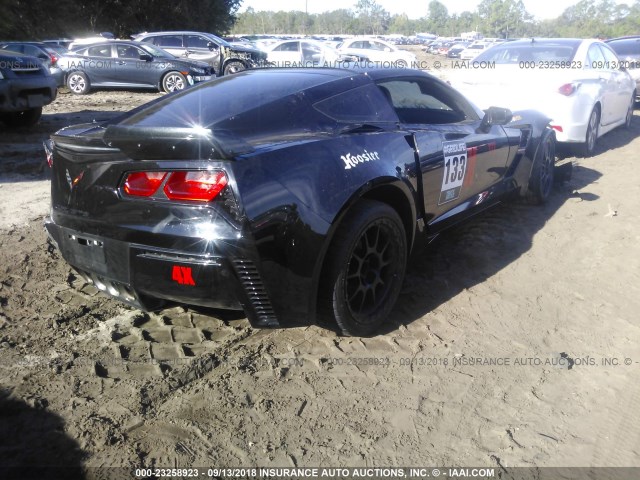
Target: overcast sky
(541,9)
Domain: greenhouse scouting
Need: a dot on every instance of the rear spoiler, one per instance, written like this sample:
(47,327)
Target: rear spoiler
(171,143)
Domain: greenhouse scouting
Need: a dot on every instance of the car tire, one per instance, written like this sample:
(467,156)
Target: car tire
(587,148)
(26,118)
(234,67)
(173,82)
(78,83)
(365,268)
(632,106)
(543,171)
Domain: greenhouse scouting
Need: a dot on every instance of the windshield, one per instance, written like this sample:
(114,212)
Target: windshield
(219,40)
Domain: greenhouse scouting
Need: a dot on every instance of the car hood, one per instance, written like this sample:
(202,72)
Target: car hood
(259,54)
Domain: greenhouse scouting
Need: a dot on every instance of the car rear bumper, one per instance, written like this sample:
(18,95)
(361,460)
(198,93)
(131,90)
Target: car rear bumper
(20,94)
(567,132)
(147,276)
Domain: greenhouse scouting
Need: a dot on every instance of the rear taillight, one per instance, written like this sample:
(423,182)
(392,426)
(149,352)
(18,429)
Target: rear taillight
(193,186)
(202,186)
(53,58)
(568,89)
(143,184)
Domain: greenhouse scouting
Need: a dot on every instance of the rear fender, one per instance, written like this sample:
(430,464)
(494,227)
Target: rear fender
(538,127)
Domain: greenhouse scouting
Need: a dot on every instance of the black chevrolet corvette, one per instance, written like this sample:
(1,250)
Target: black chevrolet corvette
(290,194)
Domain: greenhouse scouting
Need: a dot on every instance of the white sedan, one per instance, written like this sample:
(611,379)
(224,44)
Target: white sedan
(301,53)
(473,50)
(577,83)
(378,52)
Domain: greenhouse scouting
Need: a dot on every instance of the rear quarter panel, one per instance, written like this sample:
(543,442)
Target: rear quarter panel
(293,198)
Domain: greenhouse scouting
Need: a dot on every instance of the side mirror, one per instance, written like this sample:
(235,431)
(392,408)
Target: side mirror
(387,49)
(146,57)
(495,116)
(212,46)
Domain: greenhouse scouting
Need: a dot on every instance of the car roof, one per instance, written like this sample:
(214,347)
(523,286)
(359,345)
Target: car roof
(175,32)
(20,42)
(622,39)
(110,42)
(573,42)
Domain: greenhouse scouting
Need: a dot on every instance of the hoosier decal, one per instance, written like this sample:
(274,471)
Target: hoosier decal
(351,161)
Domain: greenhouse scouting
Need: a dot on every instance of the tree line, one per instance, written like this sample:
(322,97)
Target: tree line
(493,18)
(39,19)
(43,19)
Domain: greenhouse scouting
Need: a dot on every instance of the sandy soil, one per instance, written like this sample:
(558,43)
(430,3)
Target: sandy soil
(549,295)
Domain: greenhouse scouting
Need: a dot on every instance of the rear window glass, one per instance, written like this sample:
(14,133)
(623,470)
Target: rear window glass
(275,106)
(625,48)
(362,104)
(532,52)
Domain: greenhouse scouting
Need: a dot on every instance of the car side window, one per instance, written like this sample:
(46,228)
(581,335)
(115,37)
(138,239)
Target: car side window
(610,57)
(14,48)
(31,50)
(169,41)
(99,51)
(197,41)
(378,46)
(595,58)
(361,104)
(417,101)
(128,51)
(287,47)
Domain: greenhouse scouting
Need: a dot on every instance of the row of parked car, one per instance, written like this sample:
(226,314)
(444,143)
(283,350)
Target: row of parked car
(168,61)
(586,86)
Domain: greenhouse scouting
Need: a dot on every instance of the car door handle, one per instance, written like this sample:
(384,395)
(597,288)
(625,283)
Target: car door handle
(121,63)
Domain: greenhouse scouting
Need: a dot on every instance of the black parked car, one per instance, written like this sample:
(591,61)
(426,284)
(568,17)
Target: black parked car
(628,51)
(285,192)
(454,51)
(224,57)
(43,52)
(127,64)
(25,87)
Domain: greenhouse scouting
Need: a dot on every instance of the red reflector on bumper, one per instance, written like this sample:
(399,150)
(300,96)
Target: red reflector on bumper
(182,275)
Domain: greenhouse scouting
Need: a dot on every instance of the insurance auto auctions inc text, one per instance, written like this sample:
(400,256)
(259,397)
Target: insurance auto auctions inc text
(375,472)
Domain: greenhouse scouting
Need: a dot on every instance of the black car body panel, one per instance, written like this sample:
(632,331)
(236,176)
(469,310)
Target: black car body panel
(628,51)
(298,148)
(24,83)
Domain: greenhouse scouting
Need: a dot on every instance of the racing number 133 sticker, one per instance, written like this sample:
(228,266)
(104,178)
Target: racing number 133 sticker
(455,168)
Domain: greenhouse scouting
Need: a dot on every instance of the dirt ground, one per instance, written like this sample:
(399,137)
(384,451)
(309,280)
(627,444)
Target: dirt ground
(515,343)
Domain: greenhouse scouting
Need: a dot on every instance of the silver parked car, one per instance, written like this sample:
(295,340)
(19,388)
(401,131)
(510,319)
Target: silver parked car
(206,47)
